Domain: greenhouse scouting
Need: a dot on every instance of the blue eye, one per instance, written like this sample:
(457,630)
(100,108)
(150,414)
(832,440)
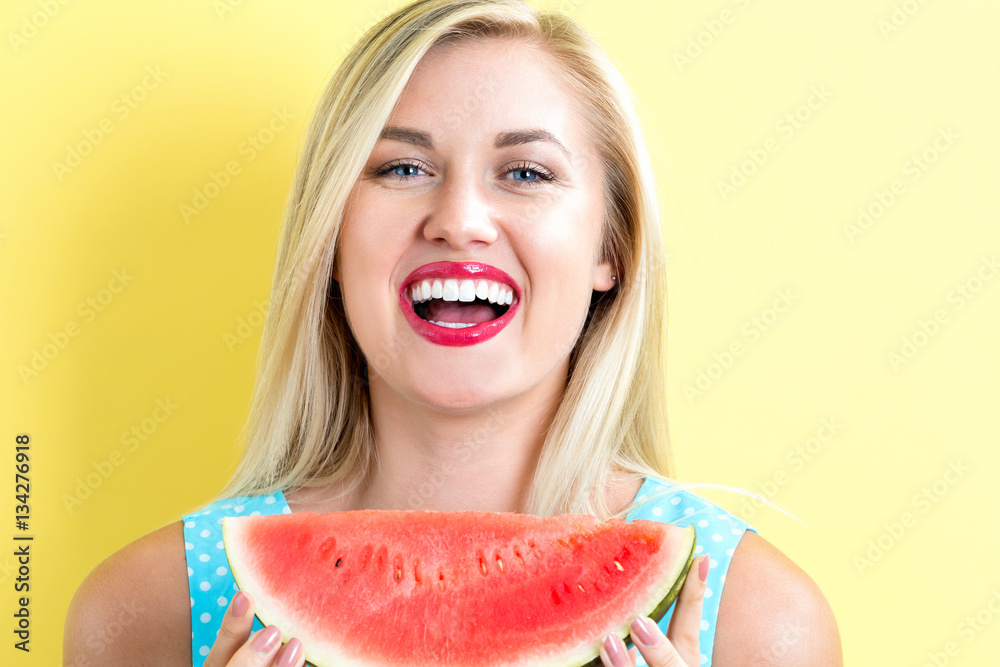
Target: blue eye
(523,168)
(409,169)
(390,169)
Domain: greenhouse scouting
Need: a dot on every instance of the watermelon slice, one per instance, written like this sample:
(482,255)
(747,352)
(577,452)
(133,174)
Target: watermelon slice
(419,588)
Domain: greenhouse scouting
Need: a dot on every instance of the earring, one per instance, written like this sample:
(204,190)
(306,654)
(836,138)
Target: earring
(613,278)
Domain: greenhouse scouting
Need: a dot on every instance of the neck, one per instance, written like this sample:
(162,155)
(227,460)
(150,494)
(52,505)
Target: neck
(479,458)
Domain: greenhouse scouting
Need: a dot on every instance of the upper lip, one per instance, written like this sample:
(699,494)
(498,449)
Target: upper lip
(470,270)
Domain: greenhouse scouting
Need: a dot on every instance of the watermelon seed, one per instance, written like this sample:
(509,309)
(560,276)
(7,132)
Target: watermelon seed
(482,564)
(580,586)
(619,566)
(399,575)
(339,561)
(500,563)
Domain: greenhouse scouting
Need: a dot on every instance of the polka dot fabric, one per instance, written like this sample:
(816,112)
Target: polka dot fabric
(212,586)
(718,533)
(210,582)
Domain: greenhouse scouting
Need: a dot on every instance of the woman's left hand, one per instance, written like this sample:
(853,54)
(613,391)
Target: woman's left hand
(679,648)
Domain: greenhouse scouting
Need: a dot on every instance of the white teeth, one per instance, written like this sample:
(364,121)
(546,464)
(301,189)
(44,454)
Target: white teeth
(453,289)
(453,325)
(467,291)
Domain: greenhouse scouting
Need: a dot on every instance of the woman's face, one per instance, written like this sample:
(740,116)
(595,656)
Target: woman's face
(484,171)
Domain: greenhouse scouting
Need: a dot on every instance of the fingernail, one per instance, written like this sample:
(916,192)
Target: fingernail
(290,656)
(266,640)
(240,604)
(703,569)
(614,651)
(643,630)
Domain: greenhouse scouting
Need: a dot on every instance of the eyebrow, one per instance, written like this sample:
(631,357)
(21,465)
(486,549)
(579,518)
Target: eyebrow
(503,139)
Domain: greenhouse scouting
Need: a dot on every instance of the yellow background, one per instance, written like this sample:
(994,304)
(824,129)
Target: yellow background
(888,91)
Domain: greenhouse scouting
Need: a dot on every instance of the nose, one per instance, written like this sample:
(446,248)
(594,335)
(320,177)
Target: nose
(460,214)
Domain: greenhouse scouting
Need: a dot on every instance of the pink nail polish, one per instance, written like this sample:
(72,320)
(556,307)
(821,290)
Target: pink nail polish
(703,569)
(291,653)
(615,653)
(240,604)
(644,631)
(266,640)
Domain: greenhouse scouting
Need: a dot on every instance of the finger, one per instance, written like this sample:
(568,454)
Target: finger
(234,631)
(613,653)
(685,626)
(291,655)
(260,651)
(654,645)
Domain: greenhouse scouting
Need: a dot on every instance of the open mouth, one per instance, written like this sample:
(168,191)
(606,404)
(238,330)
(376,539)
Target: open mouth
(458,304)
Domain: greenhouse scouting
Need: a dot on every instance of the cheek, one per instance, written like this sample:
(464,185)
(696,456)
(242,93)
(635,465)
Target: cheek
(365,283)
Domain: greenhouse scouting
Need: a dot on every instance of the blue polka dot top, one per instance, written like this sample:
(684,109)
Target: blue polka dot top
(212,585)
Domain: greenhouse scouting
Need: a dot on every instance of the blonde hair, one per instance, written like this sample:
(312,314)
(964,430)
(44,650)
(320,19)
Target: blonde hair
(309,418)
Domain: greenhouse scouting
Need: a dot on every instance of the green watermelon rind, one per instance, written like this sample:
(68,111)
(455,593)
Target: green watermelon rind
(660,610)
(657,612)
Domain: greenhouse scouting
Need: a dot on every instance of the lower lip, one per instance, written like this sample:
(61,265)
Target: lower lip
(479,333)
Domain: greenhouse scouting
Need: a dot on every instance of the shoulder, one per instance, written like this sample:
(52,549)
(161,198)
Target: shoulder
(772,613)
(134,607)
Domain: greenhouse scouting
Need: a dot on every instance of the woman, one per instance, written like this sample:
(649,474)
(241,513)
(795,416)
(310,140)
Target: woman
(466,313)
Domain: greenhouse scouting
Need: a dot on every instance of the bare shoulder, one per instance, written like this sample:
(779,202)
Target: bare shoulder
(134,607)
(772,613)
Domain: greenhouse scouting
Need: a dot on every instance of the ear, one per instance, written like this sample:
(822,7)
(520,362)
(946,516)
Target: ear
(602,277)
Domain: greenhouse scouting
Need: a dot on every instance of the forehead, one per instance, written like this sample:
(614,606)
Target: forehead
(480,87)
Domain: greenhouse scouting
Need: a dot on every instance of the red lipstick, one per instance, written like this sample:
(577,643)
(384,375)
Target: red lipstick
(459,270)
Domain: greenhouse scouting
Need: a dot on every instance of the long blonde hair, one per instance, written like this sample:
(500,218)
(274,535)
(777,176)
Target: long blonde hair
(309,418)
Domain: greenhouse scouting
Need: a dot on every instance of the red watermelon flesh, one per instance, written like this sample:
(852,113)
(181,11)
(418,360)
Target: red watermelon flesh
(417,588)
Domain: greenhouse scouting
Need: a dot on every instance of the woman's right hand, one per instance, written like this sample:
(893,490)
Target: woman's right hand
(236,647)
